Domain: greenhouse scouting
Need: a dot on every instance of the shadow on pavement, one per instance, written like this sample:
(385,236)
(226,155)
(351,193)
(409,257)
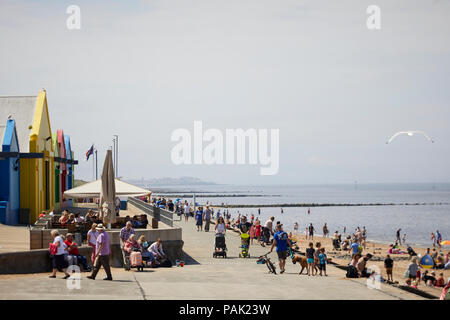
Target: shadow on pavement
(188,260)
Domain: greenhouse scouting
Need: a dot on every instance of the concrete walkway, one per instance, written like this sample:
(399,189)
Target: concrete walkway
(14,238)
(203,278)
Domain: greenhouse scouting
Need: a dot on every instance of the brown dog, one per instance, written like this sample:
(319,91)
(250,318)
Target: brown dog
(301,260)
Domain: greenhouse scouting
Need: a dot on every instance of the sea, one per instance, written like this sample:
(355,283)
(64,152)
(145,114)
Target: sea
(417,209)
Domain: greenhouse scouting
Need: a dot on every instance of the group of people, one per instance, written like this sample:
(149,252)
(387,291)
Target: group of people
(152,255)
(164,203)
(414,275)
(65,252)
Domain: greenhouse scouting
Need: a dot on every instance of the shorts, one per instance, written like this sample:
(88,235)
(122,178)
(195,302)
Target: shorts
(282,255)
(389,271)
(310,260)
(323,266)
(413,277)
(59,262)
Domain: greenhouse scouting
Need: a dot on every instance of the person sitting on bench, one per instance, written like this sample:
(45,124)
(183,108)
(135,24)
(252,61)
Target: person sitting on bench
(72,248)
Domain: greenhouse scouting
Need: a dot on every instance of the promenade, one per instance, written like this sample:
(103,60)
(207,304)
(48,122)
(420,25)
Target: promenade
(204,277)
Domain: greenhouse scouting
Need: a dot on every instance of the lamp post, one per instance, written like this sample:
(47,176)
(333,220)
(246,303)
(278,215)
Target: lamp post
(116,138)
(114,155)
(96,165)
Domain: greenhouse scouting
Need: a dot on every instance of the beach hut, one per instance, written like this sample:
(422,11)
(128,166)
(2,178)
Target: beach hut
(62,165)
(9,171)
(69,166)
(36,152)
(58,193)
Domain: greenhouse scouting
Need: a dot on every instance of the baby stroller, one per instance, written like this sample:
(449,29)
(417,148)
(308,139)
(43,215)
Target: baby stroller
(245,242)
(220,248)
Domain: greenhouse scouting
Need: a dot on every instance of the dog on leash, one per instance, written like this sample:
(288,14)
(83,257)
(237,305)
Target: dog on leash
(302,260)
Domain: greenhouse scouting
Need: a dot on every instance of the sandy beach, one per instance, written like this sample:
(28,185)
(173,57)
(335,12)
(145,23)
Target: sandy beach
(379,251)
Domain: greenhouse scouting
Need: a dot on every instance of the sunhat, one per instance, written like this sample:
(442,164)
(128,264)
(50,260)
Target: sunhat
(100,227)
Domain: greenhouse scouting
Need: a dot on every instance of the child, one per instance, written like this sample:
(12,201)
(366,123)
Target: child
(310,258)
(389,264)
(258,230)
(316,258)
(440,282)
(252,232)
(323,262)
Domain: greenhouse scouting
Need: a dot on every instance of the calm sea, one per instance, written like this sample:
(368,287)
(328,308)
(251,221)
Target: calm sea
(381,222)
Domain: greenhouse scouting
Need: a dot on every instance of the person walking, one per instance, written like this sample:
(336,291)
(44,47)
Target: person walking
(433,239)
(92,240)
(220,226)
(58,261)
(258,230)
(398,237)
(325,230)
(199,219)
(295,227)
(103,251)
(310,259)
(311,231)
(282,242)
(323,262)
(207,218)
(438,238)
(187,211)
(267,230)
(124,235)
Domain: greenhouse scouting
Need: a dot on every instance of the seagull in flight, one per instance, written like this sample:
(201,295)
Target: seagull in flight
(409,133)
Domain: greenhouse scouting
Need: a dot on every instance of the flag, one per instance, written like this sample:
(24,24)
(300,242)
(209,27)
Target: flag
(90,152)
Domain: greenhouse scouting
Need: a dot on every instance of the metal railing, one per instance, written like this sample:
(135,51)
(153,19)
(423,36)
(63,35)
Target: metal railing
(159,214)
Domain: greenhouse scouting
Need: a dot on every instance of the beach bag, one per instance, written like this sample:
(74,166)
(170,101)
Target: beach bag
(135,259)
(162,263)
(352,272)
(52,248)
(406,274)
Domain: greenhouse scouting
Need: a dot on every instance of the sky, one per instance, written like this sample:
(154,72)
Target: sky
(312,69)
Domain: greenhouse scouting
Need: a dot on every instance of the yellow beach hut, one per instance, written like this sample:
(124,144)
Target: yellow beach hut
(37,168)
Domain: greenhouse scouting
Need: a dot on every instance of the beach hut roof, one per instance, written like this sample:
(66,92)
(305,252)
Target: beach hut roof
(8,136)
(22,110)
(92,190)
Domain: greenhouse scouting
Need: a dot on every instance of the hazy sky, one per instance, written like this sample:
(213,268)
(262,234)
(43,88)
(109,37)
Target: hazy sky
(336,90)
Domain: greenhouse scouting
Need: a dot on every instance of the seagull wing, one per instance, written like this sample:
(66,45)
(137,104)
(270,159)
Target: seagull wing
(396,135)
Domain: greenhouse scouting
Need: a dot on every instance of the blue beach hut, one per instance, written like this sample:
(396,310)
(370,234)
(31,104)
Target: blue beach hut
(9,171)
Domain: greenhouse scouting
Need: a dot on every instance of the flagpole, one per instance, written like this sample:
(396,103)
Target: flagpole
(93,168)
(96,165)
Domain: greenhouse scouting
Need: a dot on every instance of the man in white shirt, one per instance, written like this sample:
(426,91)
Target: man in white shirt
(187,211)
(268,229)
